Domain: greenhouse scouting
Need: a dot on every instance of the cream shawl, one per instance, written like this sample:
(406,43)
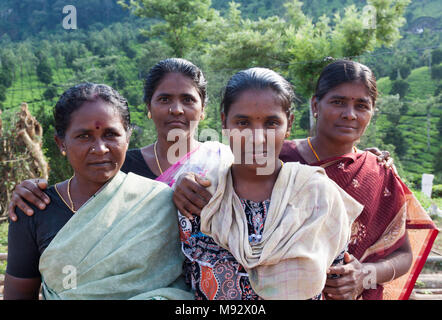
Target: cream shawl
(308,224)
(121,244)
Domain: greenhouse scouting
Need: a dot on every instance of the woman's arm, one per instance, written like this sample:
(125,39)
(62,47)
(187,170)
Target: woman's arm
(29,190)
(22,279)
(190,195)
(354,274)
(21,288)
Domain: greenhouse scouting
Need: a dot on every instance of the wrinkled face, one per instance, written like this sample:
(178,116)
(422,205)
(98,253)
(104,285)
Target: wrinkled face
(257,126)
(95,141)
(176,104)
(344,112)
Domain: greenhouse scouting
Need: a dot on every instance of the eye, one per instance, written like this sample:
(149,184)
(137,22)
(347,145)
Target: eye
(272,123)
(83,136)
(242,123)
(337,102)
(111,134)
(163,99)
(364,106)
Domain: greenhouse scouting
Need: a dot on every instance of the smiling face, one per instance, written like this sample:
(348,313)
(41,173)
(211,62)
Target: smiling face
(95,141)
(176,104)
(259,123)
(344,112)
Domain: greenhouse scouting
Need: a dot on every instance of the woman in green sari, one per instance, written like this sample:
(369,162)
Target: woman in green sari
(106,234)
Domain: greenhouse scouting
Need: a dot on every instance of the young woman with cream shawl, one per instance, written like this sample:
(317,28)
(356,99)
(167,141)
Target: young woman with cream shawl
(304,219)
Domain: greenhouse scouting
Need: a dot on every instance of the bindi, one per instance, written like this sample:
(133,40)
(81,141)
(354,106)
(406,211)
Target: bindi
(97,125)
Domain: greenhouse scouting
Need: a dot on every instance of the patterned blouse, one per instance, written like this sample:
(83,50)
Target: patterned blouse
(212,271)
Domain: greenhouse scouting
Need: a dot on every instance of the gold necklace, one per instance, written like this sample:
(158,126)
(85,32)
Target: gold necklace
(156,156)
(311,147)
(316,155)
(69,196)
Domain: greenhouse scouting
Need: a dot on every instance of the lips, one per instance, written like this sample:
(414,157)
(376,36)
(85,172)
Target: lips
(346,127)
(176,122)
(102,163)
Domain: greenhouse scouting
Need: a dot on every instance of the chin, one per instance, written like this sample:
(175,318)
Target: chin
(103,177)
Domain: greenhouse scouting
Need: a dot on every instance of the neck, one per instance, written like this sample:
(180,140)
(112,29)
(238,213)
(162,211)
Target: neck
(244,178)
(81,190)
(178,149)
(326,148)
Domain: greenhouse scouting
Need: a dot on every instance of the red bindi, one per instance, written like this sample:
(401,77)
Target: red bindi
(97,125)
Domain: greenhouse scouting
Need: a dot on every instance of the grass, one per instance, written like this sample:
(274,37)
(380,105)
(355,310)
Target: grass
(3,244)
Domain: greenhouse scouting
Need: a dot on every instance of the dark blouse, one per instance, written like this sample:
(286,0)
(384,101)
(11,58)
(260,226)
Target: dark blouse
(28,237)
(135,163)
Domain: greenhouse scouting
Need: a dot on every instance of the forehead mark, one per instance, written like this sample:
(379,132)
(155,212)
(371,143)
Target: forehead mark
(97,125)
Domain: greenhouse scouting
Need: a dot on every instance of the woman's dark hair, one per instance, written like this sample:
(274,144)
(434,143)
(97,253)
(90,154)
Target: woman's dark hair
(174,65)
(343,71)
(258,79)
(73,98)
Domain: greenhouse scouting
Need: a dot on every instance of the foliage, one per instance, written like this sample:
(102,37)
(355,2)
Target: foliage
(400,87)
(298,47)
(3,244)
(21,19)
(176,19)
(436,72)
(437,191)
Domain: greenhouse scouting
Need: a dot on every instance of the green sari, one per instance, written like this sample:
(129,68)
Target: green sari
(121,244)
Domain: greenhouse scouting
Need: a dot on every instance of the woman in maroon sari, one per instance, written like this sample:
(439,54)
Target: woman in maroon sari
(393,235)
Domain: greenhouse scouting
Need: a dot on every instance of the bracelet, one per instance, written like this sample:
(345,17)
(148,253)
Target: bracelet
(394,270)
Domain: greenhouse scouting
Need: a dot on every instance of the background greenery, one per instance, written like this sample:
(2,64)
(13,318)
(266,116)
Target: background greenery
(117,43)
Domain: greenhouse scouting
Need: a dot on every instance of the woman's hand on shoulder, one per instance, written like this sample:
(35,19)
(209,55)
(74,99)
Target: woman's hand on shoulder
(383,156)
(31,191)
(190,195)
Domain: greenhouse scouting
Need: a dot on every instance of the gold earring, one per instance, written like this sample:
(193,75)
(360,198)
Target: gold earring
(149,115)
(203,116)
(315,115)
(63,153)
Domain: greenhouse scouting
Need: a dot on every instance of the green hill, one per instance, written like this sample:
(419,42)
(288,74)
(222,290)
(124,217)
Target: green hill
(108,47)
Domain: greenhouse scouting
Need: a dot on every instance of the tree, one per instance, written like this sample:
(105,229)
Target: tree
(50,93)
(436,56)
(2,93)
(296,46)
(176,21)
(436,72)
(44,71)
(400,87)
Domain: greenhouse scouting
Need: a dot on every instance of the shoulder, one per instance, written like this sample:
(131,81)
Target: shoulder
(214,146)
(143,182)
(311,180)
(290,152)
(50,191)
(133,153)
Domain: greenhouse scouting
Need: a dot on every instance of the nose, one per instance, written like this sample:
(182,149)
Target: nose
(99,147)
(259,136)
(260,140)
(176,109)
(349,112)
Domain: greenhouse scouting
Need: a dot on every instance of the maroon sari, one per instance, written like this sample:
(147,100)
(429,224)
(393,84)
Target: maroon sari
(390,212)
